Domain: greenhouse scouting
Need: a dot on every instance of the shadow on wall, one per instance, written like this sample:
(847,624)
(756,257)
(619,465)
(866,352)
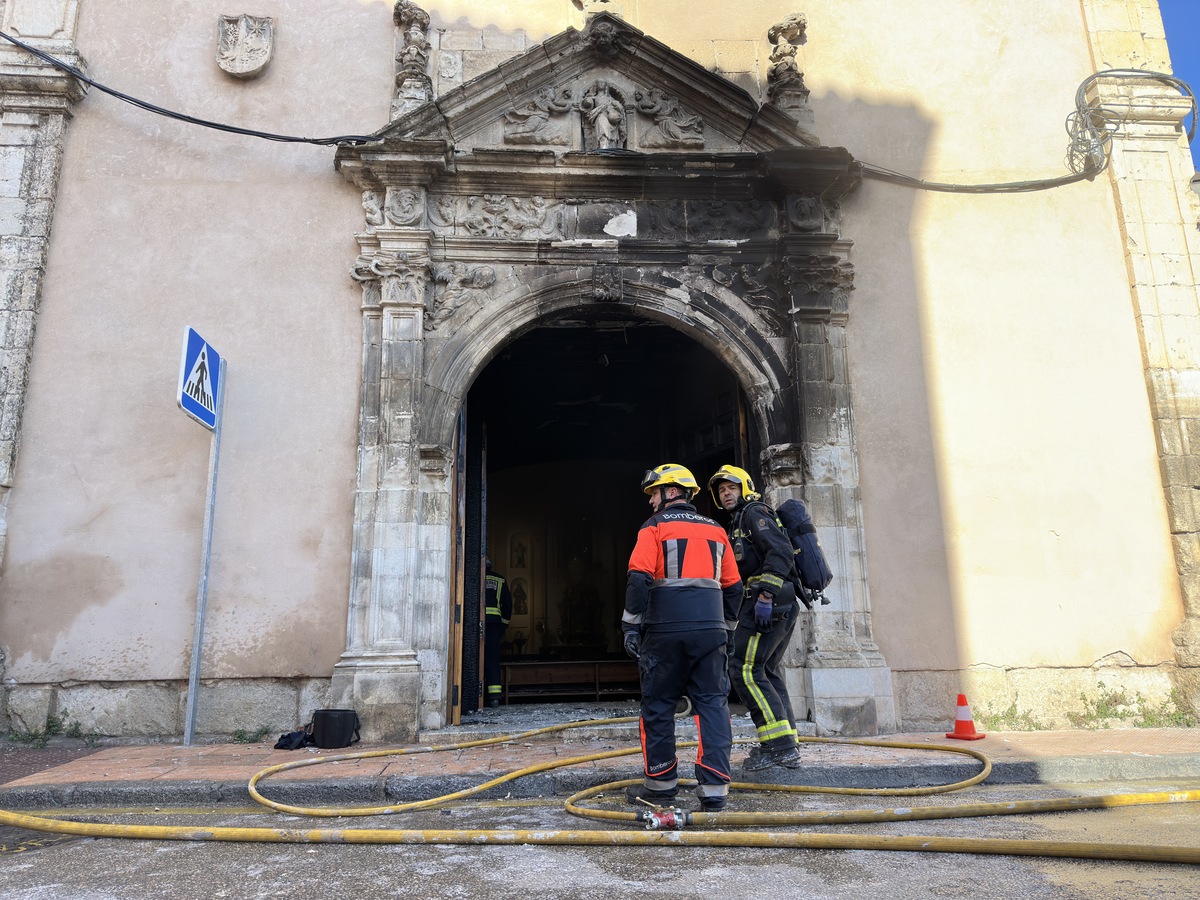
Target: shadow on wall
(912,598)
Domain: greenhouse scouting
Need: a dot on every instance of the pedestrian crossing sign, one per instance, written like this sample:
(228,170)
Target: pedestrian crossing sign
(199,379)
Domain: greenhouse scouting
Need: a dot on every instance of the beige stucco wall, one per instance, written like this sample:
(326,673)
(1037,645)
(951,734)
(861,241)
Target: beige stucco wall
(1011,495)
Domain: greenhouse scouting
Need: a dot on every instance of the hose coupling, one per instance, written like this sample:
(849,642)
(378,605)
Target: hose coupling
(666,818)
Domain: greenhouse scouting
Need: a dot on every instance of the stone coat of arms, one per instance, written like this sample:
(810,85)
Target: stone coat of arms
(245,44)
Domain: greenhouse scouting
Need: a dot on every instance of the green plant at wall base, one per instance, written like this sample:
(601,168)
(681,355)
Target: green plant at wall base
(55,725)
(1115,707)
(1171,713)
(1013,718)
(241,736)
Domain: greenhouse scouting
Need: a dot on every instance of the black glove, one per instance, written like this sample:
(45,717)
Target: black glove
(764,607)
(633,644)
(729,643)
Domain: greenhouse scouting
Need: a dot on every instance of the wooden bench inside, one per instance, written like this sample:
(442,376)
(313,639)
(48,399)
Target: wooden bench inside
(594,678)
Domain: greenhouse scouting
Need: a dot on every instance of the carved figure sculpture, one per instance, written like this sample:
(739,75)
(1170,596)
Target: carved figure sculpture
(785,82)
(604,115)
(403,206)
(414,87)
(672,126)
(372,205)
(453,283)
(530,124)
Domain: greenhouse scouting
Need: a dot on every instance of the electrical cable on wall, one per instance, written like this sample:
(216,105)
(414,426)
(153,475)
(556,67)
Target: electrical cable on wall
(1090,127)
(59,64)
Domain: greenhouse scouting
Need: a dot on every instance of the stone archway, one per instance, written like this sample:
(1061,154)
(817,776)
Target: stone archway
(415,379)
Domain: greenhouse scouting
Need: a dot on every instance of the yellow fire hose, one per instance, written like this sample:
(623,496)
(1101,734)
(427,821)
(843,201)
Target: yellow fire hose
(662,825)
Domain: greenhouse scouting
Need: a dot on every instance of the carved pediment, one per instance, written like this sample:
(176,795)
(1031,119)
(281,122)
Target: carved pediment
(608,87)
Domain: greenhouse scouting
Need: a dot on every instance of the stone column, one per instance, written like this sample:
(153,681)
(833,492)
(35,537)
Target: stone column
(1150,171)
(402,492)
(837,668)
(36,101)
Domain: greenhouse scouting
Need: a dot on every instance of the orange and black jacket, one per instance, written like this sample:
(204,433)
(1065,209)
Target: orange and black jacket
(682,574)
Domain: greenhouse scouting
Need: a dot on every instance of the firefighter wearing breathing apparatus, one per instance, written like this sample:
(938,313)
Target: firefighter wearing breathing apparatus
(497,610)
(766,619)
(681,600)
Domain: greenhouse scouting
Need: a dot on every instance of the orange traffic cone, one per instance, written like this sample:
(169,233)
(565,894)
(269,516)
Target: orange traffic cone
(964,725)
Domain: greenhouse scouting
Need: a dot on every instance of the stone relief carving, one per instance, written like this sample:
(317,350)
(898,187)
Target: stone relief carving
(729,219)
(371,285)
(531,123)
(785,465)
(245,44)
(606,284)
(820,282)
(393,278)
(453,285)
(810,213)
(666,220)
(414,87)
(672,126)
(404,206)
(604,125)
(372,204)
(605,38)
(497,216)
(758,285)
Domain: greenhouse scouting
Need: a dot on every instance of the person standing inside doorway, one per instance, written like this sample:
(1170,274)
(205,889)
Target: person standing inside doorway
(766,619)
(682,596)
(498,610)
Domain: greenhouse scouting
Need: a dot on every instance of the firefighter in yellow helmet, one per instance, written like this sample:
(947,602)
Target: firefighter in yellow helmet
(682,597)
(766,619)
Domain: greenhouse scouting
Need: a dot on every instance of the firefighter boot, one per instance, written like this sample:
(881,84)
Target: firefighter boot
(712,804)
(639,793)
(787,756)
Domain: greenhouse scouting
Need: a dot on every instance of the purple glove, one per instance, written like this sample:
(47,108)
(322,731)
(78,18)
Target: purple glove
(764,606)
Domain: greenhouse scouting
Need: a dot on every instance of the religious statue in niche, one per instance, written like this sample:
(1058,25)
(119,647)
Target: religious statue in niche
(518,555)
(603,110)
(244,44)
(531,124)
(520,597)
(672,126)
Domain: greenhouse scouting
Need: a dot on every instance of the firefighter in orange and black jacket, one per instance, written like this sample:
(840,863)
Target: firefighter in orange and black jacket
(681,599)
(498,610)
(767,617)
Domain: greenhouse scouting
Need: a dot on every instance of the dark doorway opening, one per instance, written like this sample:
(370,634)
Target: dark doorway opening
(574,412)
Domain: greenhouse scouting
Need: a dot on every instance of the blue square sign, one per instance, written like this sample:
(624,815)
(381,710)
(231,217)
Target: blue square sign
(199,379)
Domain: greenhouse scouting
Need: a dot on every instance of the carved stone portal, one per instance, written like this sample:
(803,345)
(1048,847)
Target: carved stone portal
(728,247)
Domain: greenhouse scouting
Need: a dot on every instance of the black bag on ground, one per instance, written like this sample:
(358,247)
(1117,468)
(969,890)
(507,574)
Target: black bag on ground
(335,728)
(811,565)
(294,740)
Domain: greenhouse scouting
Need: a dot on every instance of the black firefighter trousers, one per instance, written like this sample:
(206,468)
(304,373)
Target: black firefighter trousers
(672,664)
(754,668)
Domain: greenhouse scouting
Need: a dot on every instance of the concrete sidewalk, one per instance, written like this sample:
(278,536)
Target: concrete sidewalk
(173,775)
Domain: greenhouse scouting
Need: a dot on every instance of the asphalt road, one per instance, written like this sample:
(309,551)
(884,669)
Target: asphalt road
(107,869)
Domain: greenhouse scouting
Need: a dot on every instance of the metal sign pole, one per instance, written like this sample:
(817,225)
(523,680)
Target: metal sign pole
(214,454)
